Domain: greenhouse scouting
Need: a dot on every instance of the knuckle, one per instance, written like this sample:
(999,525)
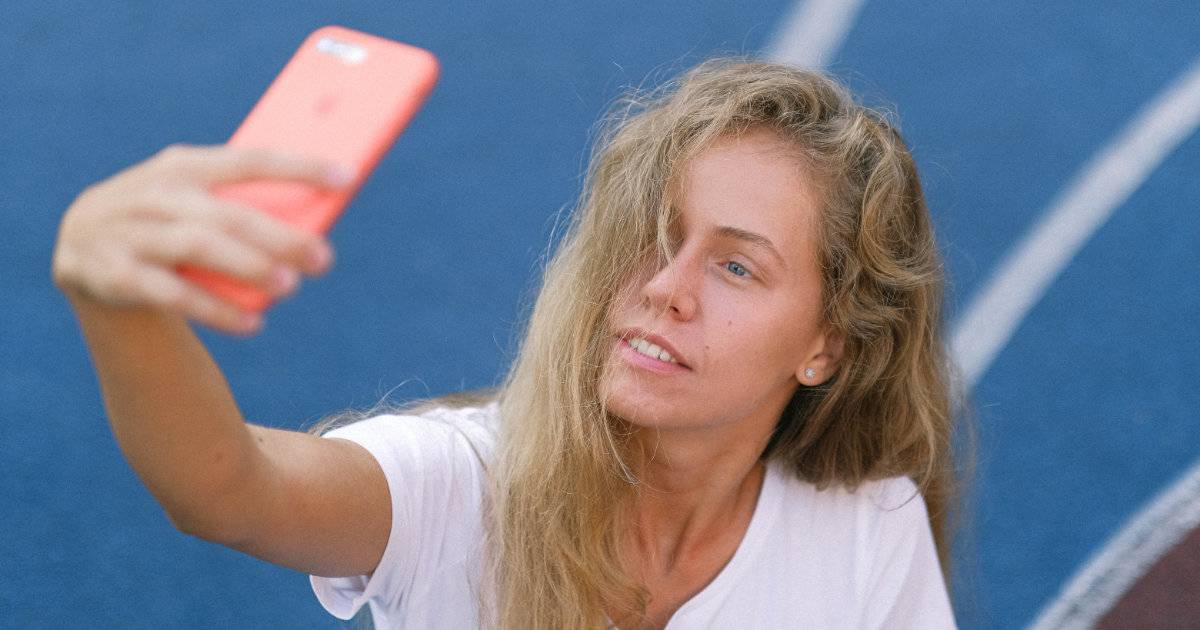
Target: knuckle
(174,152)
(277,163)
(250,159)
(89,202)
(86,195)
(173,158)
(256,154)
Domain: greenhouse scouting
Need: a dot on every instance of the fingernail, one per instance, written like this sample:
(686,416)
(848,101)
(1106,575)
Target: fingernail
(319,256)
(284,279)
(252,321)
(340,175)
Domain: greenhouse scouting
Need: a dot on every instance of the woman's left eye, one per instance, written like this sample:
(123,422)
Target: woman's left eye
(738,269)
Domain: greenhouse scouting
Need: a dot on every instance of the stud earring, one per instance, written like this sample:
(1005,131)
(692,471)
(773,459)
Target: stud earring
(809,373)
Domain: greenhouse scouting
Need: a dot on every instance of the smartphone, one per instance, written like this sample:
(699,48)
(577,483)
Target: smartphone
(344,96)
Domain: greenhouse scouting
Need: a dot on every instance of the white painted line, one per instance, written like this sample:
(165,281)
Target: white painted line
(1084,205)
(810,37)
(1151,534)
(813,32)
(1023,277)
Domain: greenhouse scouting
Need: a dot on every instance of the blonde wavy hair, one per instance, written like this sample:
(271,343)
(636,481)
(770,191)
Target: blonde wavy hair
(559,481)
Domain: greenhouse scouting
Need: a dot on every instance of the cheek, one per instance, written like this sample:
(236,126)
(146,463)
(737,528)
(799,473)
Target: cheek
(763,342)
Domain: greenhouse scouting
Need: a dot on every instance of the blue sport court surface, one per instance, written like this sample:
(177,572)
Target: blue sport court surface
(1058,149)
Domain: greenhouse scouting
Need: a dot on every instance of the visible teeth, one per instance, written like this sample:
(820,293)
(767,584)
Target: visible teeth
(651,350)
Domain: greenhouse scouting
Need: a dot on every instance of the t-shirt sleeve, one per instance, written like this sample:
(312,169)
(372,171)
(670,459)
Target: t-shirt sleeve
(433,475)
(906,588)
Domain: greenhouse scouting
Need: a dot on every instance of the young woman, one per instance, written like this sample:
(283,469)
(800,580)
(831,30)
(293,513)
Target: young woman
(730,407)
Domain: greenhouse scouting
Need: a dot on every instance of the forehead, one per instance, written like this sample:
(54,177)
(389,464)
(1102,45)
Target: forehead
(756,182)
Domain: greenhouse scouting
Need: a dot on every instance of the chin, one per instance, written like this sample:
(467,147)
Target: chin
(641,409)
(646,403)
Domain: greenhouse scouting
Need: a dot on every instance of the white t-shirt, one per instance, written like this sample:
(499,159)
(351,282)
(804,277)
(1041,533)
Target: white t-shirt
(830,559)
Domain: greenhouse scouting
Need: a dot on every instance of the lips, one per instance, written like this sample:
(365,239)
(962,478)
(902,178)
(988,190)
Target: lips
(630,333)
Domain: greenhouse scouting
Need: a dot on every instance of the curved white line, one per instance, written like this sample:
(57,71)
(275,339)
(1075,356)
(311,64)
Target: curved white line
(813,32)
(1084,205)
(1023,277)
(810,37)
(1151,534)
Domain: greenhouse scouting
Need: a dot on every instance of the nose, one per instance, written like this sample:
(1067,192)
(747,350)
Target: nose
(673,288)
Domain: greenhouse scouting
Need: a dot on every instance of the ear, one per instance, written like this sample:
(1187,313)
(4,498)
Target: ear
(819,365)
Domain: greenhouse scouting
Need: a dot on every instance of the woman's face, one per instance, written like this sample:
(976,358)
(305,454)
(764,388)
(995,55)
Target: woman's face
(739,307)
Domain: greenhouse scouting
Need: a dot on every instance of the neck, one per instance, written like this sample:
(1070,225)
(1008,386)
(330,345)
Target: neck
(694,484)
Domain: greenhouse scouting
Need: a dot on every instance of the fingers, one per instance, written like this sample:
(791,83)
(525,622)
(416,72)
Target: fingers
(123,239)
(174,243)
(168,290)
(126,280)
(264,239)
(221,163)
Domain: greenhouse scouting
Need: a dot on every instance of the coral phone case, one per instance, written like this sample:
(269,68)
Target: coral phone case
(344,96)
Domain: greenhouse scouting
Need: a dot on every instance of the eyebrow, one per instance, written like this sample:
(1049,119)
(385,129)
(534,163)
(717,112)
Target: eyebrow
(754,238)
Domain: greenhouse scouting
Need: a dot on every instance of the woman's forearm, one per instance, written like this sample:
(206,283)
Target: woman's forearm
(169,406)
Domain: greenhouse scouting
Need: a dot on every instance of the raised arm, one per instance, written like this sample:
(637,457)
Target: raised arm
(283,496)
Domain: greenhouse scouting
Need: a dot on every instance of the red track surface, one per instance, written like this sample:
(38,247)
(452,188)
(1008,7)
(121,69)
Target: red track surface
(1167,596)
